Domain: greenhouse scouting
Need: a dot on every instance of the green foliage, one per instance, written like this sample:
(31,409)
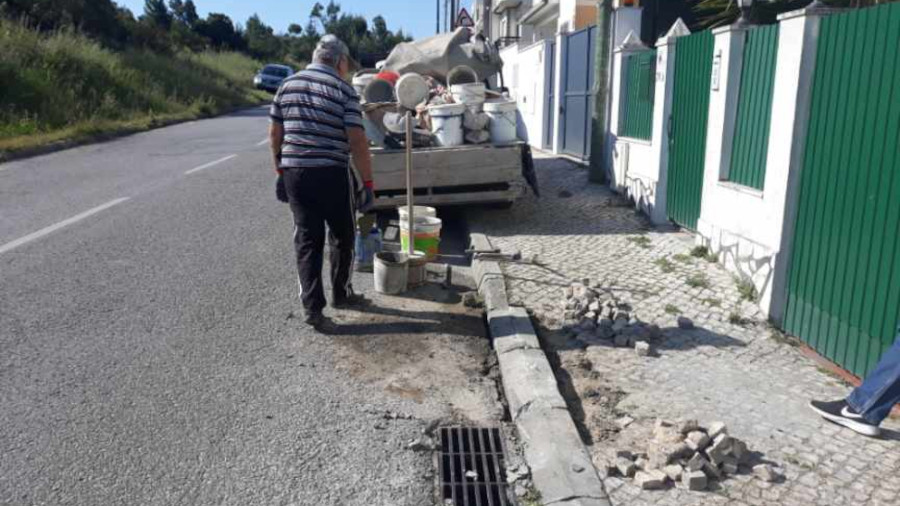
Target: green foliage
(746,289)
(64,80)
(671,309)
(713,13)
(712,302)
(682,258)
(698,280)
(699,252)
(665,265)
(641,241)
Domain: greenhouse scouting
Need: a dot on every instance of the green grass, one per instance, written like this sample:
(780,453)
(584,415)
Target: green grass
(698,280)
(665,265)
(712,302)
(682,258)
(703,253)
(672,309)
(641,241)
(746,289)
(64,86)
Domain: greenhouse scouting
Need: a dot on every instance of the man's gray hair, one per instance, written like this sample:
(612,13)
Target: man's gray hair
(329,51)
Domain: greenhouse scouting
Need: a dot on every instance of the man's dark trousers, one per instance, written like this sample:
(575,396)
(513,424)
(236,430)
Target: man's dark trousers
(318,196)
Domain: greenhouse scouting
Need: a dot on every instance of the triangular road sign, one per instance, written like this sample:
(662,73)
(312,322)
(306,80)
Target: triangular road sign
(465,19)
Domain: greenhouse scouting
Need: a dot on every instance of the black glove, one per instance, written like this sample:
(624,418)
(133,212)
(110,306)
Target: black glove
(280,190)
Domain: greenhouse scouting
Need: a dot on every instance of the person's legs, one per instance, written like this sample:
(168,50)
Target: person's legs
(880,391)
(341,220)
(309,239)
(869,404)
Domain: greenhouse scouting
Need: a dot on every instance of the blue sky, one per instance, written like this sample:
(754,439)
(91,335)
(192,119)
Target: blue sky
(413,16)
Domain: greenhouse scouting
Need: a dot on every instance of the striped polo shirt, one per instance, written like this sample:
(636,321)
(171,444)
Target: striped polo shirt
(316,107)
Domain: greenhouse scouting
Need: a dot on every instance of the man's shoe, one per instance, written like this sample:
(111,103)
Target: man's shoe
(350,301)
(314,320)
(841,413)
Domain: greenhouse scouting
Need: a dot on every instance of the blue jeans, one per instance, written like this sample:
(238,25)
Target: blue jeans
(880,391)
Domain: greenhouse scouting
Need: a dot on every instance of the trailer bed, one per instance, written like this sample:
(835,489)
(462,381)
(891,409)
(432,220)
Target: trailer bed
(459,175)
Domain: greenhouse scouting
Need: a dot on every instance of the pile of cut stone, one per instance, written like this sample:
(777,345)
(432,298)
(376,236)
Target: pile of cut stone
(591,318)
(689,455)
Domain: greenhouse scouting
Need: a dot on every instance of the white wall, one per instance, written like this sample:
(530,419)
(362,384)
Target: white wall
(751,229)
(525,73)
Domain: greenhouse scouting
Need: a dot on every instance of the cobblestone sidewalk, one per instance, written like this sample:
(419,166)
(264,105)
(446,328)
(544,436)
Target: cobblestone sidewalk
(733,367)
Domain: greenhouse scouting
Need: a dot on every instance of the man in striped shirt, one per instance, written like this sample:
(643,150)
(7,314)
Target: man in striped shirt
(316,126)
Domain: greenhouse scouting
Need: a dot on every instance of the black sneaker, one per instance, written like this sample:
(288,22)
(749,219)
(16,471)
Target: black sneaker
(841,413)
(350,301)
(314,320)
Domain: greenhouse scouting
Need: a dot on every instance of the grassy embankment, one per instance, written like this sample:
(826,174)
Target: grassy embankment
(65,87)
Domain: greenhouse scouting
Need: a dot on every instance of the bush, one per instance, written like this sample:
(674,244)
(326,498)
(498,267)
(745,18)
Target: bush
(63,80)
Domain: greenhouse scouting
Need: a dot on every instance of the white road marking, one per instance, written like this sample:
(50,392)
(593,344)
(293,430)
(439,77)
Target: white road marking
(262,142)
(53,228)
(210,164)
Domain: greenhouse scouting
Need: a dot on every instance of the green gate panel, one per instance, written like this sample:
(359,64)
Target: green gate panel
(687,127)
(640,88)
(844,276)
(754,112)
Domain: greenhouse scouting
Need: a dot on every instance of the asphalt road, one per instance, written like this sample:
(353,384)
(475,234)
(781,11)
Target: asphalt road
(148,349)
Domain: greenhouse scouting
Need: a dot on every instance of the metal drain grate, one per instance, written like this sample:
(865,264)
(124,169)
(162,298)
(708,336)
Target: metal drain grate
(472,467)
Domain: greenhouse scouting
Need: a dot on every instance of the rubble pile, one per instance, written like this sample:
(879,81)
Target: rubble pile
(592,318)
(689,456)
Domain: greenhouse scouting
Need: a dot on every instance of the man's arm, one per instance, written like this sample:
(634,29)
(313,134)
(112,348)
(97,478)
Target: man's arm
(359,150)
(276,139)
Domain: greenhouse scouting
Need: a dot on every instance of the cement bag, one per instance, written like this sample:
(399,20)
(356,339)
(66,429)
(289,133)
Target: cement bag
(437,55)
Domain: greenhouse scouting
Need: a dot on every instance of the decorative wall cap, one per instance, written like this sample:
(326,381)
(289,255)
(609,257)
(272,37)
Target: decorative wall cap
(631,43)
(678,29)
(810,10)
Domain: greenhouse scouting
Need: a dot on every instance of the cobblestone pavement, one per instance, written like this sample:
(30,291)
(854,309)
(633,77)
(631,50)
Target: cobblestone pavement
(732,367)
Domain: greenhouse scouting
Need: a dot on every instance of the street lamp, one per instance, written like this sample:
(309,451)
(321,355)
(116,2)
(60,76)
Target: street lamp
(744,6)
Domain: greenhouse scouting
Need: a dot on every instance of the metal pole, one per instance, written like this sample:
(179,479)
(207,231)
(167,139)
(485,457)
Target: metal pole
(438,27)
(409,183)
(446,15)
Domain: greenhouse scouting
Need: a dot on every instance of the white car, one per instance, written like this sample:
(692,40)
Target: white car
(271,76)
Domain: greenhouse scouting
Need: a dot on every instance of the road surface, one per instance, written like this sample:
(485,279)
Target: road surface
(151,350)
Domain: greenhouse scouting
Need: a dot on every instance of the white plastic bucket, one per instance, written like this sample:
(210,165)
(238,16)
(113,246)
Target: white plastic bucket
(447,123)
(461,74)
(360,81)
(472,95)
(412,90)
(391,272)
(503,121)
(420,213)
(426,236)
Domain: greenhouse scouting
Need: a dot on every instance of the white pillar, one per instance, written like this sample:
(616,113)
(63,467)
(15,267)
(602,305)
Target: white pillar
(797,47)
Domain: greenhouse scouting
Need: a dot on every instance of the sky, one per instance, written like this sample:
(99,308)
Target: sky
(415,17)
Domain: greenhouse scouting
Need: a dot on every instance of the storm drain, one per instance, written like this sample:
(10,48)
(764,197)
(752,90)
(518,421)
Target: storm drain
(472,472)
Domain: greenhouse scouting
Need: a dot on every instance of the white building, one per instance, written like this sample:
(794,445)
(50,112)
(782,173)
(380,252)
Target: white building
(529,21)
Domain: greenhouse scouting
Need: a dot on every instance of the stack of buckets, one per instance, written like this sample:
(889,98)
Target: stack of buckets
(426,231)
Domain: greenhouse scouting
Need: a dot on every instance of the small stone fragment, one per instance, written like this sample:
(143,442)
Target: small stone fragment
(625,421)
(642,463)
(697,440)
(421,444)
(642,348)
(697,462)
(720,447)
(694,480)
(712,471)
(650,480)
(715,429)
(472,475)
(729,465)
(765,473)
(687,426)
(739,450)
(625,467)
(577,468)
(685,323)
(595,307)
(673,471)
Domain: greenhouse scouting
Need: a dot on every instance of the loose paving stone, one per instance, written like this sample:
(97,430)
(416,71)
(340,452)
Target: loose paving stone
(650,480)
(737,374)
(765,472)
(694,480)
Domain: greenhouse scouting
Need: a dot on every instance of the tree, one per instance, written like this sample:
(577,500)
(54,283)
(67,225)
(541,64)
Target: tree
(221,32)
(156,12)
(185,12)
(261,40)
(295,29)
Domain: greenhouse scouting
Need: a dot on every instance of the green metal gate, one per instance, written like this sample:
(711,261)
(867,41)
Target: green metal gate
(754,113)
(687,127)
(844,277)
(636,120)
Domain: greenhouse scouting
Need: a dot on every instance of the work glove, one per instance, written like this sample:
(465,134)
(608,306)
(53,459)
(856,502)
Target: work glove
(365,199)
(280,190)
